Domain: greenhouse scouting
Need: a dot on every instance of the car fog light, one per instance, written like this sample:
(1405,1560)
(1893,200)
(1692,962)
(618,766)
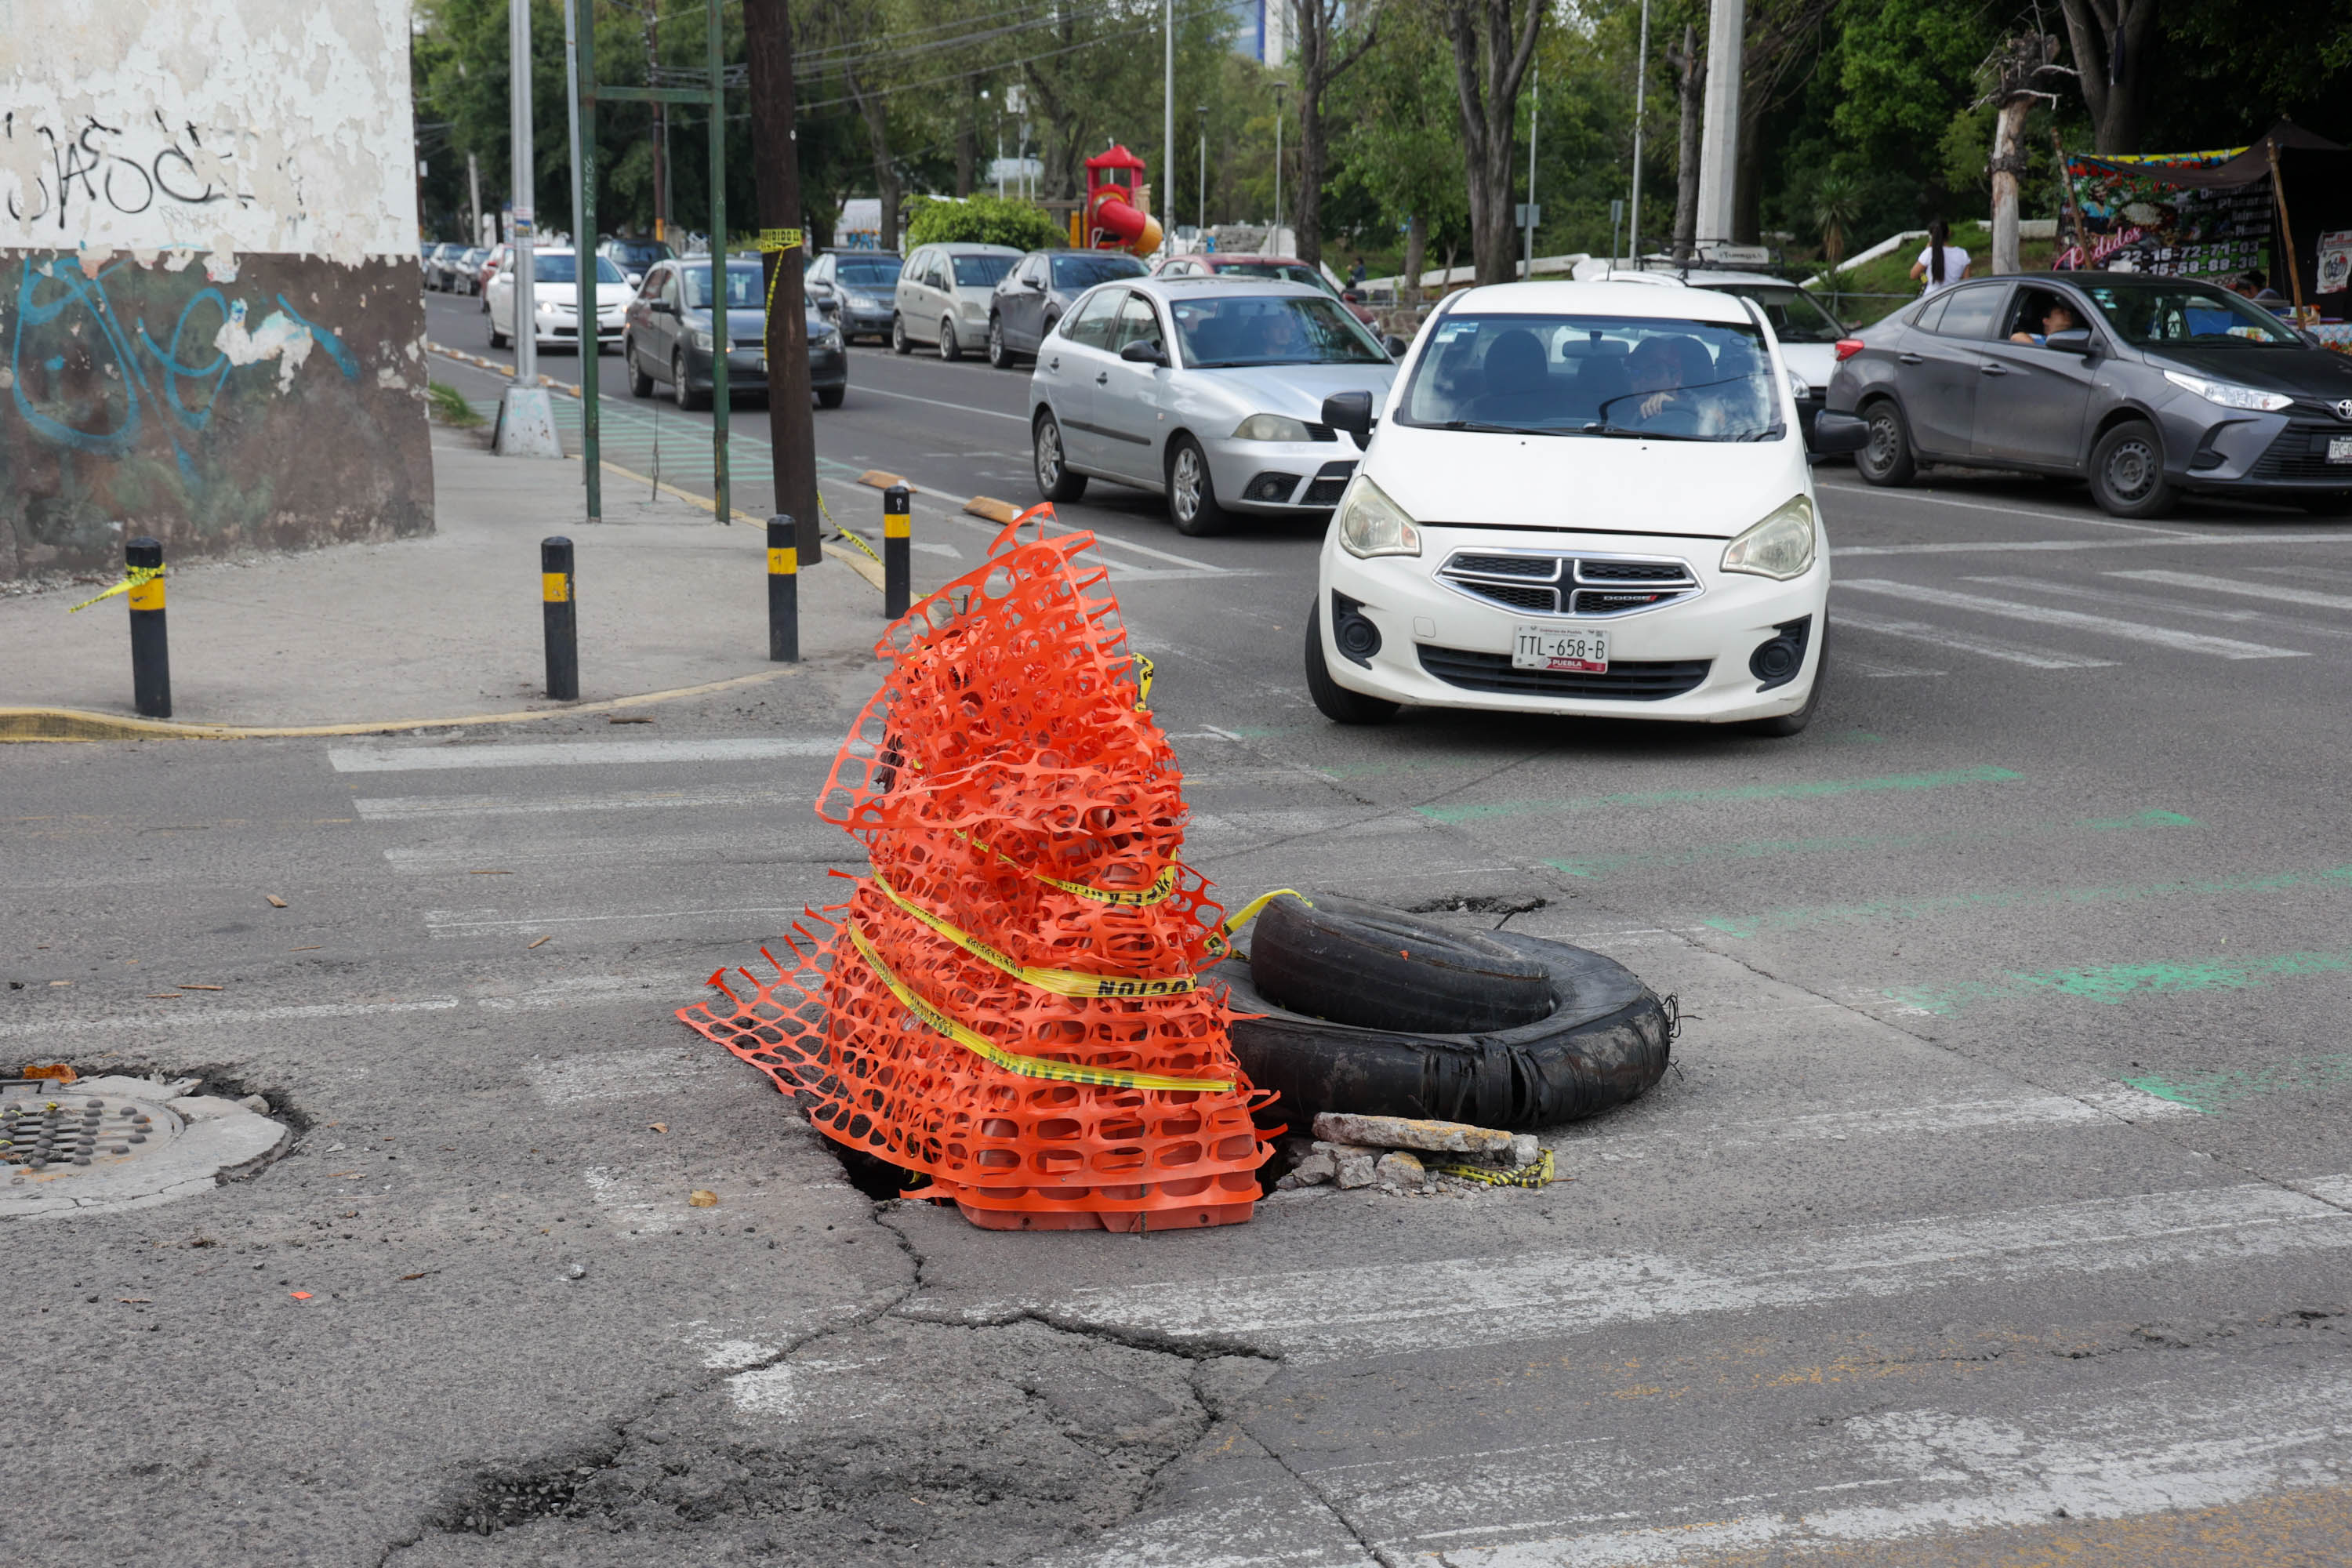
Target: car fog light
(1357,637)
(1777,662)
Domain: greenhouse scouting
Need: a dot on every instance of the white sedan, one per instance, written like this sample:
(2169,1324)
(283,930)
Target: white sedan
(555,301)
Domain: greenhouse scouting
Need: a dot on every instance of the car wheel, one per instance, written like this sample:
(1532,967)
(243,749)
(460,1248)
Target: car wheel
(949,349)
(831,396)
(898,343)
(640,384)
(2127,472)
(497,338)
(685,396)
(1333,700)
(1054,480)
(1788,724)
(999,356)
(1887,458)
(1192,492)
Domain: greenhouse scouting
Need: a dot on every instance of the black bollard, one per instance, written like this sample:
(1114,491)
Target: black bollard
(898,550)
(561,617)
(150,654)
(783,591)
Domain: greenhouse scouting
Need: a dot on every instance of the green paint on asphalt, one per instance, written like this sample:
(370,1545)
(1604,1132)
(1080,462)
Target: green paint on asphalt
(2116,983)
(2023,897)
(1769,849)
(2214,1093)
(1809,790)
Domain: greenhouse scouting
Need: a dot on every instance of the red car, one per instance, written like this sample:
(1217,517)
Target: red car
(1280,269)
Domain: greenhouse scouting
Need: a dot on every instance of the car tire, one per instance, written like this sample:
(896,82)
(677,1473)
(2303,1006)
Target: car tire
(1785,724)
(2127,472)
(1333,700)
(950,349)
(497,338)
(898,342)
(1886,459)
(1192,492)
(1349,961)
(999,356)
(684,394)
(831,396)
(640,384)
(1606,1041)
(1049,462)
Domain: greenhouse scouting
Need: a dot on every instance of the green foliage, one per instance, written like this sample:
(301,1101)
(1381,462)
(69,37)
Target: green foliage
(984,220)
(449,407)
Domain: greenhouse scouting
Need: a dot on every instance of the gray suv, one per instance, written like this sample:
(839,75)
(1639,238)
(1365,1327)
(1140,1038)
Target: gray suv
(2147,386)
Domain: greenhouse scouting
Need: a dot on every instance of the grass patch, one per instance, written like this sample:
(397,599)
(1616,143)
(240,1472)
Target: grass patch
(449,407)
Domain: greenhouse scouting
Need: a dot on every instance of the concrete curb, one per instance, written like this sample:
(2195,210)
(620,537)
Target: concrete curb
(34,724)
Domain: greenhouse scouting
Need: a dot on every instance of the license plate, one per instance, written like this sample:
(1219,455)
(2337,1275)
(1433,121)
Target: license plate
(1580,651)
(2339,448)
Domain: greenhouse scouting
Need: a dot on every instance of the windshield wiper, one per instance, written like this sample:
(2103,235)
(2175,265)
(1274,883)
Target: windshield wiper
(1475,426)
(1627,431)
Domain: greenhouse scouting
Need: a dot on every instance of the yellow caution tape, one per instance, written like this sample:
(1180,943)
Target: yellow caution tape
(1026,1067)
(1220,946)
(1142,682)
(1538,1174)
(1060,982)
(132,577)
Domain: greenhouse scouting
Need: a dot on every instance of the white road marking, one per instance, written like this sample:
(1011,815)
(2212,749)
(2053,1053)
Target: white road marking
(382,808)
(588,1076)
(1958,547)
(2041,615)
(2148,603)
(940,403)
(2276,595)
(570,754)
(2114,1107)
(806,838)
(1314,1316)
(2013,653)
(200,1015)
(2048,515)
(460,922)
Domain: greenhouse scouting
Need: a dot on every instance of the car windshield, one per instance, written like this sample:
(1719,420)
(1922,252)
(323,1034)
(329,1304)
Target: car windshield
(1277,271)
(742,286)
(1220,333)
(1796,316)
(562,268)
(640,253)
(1595,375)
(1075,272)
(982,271)
(868,271)
(2184,314)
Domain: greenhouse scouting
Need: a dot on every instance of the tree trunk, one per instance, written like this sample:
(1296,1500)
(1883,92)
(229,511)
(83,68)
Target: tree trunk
(1748,172)
(1416,259)
(1692,63)
(876,111)
(1317,70)
(2009,131)
(967,156)
(1489,65)
(776,163)
(2113,43)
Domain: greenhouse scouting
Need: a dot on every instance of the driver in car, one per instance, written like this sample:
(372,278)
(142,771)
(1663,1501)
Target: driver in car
(1655,370)
(2058,318)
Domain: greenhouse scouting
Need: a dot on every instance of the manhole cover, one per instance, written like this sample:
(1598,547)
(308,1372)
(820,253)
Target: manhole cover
(113,1142)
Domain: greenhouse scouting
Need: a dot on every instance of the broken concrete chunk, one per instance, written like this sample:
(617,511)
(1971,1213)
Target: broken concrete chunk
(1525,1149)
(1316,1167)
(1397,1169)
(1406,1132)
(1357,1167)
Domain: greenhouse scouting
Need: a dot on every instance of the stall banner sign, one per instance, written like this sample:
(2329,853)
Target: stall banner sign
(2136,220)
(2334,273)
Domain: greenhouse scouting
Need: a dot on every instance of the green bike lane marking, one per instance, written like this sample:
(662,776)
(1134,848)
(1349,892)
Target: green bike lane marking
(2116,983)
(2214,1093)
(1803,918)
(1803,790)
(1596,866)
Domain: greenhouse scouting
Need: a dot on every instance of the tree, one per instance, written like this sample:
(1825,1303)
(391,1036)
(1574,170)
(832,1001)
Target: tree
(984,220)
(2115,52)
(1324,54)
(1690,92)
(1492,50)
(767,48)
(1837,202)
(1400,146)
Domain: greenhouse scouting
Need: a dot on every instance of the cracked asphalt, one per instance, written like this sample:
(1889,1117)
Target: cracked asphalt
(1997,1209)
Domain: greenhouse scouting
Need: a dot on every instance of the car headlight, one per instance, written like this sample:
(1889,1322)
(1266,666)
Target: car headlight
(2228,394)
(1272,428)
(1799,388)
(1780,547)
(1371,524)
(700,339)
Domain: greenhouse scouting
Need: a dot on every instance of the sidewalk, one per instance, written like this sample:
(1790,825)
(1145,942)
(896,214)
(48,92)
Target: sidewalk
(444,630)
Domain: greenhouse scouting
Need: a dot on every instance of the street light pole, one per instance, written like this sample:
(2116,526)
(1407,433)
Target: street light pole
(1275,239)
(1641,82)
(580,246)
(519,182)
(1535,118)
(1202,190)
(1168,131)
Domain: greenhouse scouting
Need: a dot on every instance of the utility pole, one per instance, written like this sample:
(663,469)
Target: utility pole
(1641,83)
(1168,131)
(1535,118)
(1718,158)
(1275,240)
(661,123)
(776,156)
(581,245)
(716,57)
(1202,190)
(523,166)
(474,198)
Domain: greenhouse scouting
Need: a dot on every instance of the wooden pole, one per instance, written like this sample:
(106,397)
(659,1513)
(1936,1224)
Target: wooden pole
(775,158)
(2286,235)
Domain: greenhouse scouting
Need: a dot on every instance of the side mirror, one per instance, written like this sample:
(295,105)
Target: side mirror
(828,306)
(1035,285)
(2073,340)
(1395,345)
(660,307)
(1352,412)
(1835,433)
(1143,351)
(635,278)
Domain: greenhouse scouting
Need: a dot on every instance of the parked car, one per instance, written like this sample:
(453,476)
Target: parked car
(425,262)
(1580,498)
(555,301)
(2147,386)
(495,258)
(466,276)
(635,257)
(942,295)
(669,336)
(1278,268)
(441,272)
(860,285)
(1034,294)
(1209,391)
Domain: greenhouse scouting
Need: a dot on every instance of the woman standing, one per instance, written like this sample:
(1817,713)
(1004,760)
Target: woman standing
(1942,263)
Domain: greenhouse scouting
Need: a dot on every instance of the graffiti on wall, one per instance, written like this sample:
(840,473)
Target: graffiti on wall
(127,169)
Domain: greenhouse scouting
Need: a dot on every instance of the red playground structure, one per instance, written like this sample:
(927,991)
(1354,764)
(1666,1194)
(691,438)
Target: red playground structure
(1113,218)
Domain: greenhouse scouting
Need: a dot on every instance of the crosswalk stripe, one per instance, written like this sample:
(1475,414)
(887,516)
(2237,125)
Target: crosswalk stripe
(2042,614)
(1317,1316)
(1602,1144)
(2149,603)
(568,754)
(392,808)
(200,1015)
(2310,597)
(2013,653)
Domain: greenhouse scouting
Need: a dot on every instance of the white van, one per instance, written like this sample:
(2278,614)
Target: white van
(1580,498)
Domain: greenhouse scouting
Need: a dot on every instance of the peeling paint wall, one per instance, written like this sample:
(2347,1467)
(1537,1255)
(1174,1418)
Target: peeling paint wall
(211,324)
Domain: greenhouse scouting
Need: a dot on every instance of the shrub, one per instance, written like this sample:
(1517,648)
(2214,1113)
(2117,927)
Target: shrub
(984,220)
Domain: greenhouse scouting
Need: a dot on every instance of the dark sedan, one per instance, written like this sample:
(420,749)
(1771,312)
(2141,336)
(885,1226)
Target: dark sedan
(2147,386)
(858,287)
(667,336)
(1031,298)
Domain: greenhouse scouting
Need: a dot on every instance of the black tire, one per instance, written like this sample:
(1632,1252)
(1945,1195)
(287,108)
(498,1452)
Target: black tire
(831,396)
(1606,1041)
(1333,700)
(497,338)
(2127,472)
(1192,492)
(999,356)
(899,341)
(1888,459)
(950,347)
(1349,961)
(1788,724)
(684,394)
(1049,463)
(640,384)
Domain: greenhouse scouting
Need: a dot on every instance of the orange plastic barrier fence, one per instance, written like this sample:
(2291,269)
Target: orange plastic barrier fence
(1006,1004)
